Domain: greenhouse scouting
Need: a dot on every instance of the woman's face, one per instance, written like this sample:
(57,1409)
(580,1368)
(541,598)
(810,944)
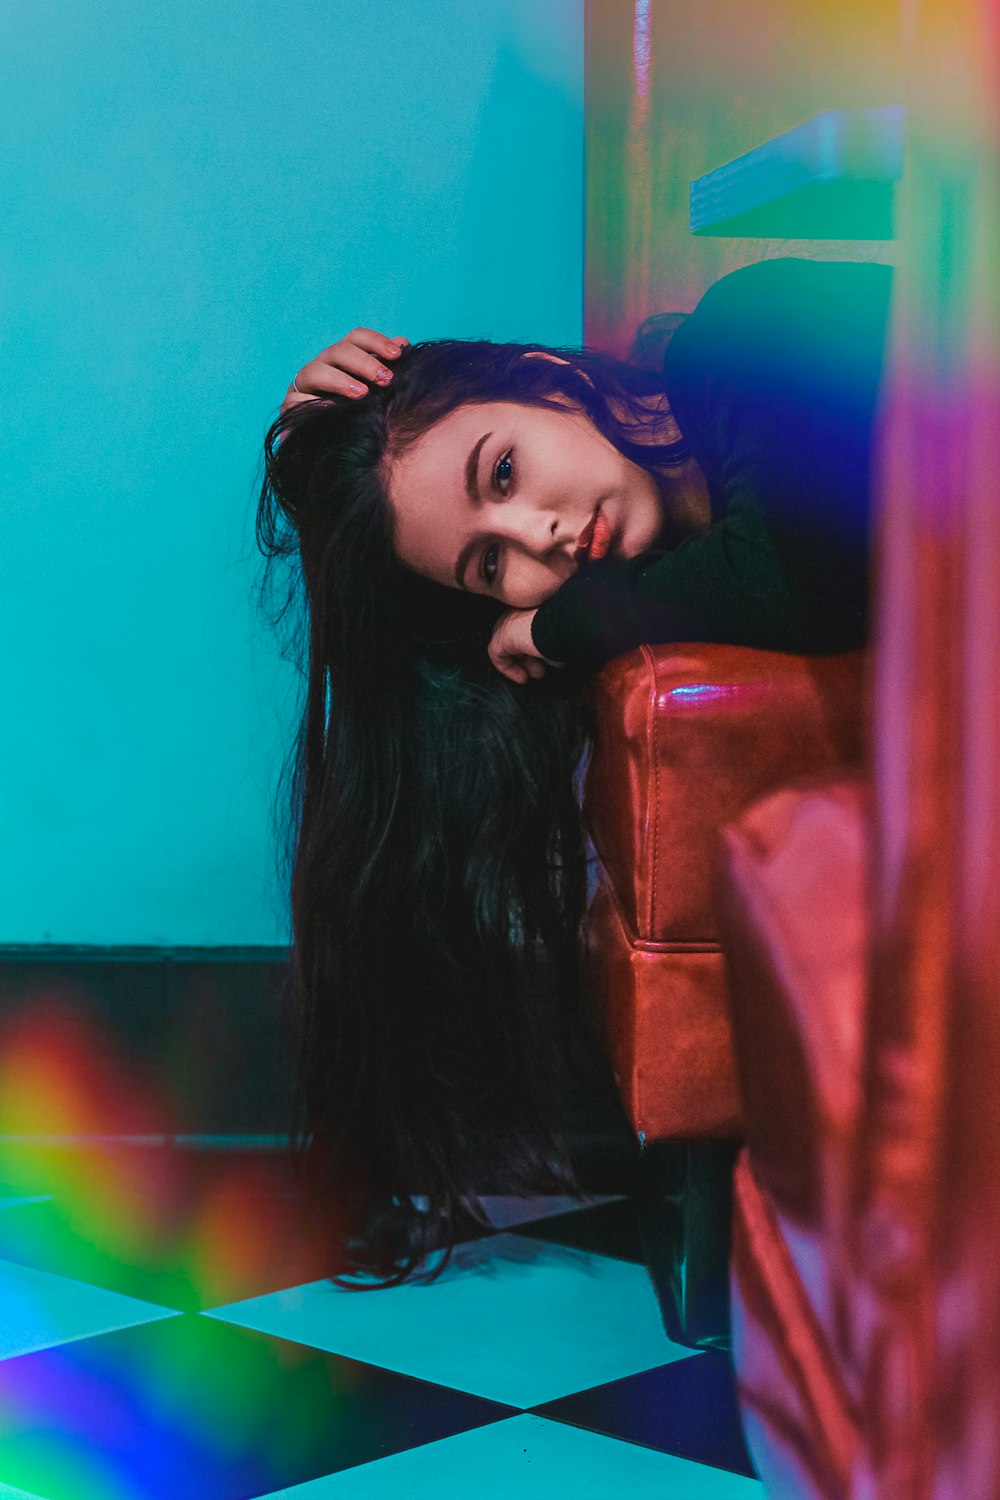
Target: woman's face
(494,497)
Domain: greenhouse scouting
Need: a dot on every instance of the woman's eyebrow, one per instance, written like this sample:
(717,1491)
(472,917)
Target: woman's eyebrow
(472,471)
(475,499)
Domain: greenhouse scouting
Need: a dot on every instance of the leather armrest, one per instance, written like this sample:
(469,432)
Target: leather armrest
(685,737)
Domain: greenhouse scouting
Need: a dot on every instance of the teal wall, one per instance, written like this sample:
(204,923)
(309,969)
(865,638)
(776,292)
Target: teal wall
(199,195)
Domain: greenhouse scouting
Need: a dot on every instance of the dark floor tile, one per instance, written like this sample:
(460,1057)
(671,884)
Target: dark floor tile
(687,1408)
(203,1409)
(608,1229)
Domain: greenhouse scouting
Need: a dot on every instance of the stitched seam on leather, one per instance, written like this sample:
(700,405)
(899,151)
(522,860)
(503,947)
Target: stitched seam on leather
(652,815)
(651,945)
(647,945)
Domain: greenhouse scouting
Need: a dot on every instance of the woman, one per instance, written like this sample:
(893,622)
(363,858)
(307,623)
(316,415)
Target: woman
(478,533)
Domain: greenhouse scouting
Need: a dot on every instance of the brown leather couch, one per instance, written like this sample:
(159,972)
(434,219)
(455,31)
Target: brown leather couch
(685,737)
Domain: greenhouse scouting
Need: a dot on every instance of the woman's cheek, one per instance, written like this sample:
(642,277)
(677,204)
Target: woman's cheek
(527,583)
(523,588)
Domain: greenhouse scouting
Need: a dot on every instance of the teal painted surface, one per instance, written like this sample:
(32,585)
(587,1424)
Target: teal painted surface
(198,197)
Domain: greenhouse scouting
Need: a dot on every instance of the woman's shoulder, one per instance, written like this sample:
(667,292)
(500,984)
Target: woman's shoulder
(786,294)
(768,287)
(786,318)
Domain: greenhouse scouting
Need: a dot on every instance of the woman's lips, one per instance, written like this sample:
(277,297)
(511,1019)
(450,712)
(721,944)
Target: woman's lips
(595,539)
(583,540)
(601,539)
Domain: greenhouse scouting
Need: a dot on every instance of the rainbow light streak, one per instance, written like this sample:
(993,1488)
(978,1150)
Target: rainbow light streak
(130,1427)
(136,1223)
(639,228)
(641,49)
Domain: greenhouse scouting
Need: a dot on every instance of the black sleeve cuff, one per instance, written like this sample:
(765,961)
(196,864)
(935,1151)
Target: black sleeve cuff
(581,625)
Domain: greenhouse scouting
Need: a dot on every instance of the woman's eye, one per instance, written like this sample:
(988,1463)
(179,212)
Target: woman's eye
(502,474)
(504,464)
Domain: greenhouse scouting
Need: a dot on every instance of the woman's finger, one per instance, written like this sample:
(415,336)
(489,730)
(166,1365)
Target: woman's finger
(315,380)
(509,668)
(364,353)
(361,354)
(521,673)
(374,343)
(322,376)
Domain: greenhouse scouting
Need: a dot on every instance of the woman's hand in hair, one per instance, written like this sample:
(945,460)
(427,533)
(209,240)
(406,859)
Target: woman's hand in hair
(333,371)
(511,649)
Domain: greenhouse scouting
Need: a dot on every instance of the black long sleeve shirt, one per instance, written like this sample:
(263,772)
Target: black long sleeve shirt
(773,380)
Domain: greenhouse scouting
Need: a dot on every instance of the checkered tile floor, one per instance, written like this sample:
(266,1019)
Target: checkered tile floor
(164,1332)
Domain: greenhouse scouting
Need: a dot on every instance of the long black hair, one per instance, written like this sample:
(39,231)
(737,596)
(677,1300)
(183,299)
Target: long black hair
(434,848)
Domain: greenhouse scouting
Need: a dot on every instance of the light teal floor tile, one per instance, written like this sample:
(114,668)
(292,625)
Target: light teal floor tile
(528,1458)
(515,1320)
(39,1310)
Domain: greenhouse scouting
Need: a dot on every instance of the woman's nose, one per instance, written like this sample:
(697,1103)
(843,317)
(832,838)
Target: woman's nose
(537,531)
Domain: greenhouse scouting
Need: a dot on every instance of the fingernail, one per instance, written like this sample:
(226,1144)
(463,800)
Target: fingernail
(382,375)
(357,390)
